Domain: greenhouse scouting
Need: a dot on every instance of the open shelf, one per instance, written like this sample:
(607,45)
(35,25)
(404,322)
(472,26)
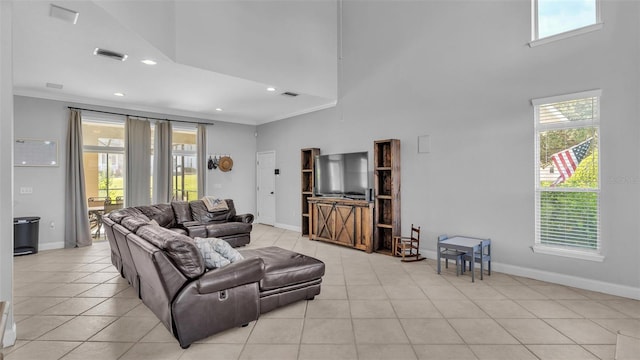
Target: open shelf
(307,181)
(384,211)
(308,158)
(384,240)
(383,149)
(384,182)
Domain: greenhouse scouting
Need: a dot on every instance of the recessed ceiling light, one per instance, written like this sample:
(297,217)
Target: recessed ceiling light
(218,109)
(118,94)
(271,88)
(148,62)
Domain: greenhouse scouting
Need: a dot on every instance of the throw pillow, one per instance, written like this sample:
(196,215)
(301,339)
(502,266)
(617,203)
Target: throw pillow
(223,248)
(212,259)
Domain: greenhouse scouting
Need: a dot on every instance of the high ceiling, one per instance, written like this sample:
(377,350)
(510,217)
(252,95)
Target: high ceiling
(210,55)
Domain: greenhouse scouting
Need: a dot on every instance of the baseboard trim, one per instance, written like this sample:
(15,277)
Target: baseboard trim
(51,246)
(562,279)
(288,227)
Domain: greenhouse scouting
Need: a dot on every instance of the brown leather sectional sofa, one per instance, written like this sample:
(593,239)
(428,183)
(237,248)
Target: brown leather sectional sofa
(188,218)
(165,267)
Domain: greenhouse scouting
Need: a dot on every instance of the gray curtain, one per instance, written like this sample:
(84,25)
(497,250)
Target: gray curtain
(162,163)
(76,229)
(137,155)
(201,141)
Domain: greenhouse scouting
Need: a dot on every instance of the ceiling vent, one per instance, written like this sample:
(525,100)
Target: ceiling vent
(110,54)
(64,14)
(54,86)
(289,93)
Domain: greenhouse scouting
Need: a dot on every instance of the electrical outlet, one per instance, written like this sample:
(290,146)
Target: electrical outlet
(217,186)
(52,225)
(26,190)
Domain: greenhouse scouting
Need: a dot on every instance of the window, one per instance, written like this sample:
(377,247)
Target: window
(558,19)
(185,164)
(103,158)
(567,180)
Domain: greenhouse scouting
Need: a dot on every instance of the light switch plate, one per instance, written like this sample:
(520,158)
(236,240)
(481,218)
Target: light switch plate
(424,144)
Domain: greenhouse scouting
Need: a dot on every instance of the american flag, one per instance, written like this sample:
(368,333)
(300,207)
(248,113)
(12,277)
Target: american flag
(566,161)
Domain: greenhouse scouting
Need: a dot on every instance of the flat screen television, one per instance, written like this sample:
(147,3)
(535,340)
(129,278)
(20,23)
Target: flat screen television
(342,175)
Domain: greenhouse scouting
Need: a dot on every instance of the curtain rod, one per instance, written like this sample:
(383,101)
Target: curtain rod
(145,117)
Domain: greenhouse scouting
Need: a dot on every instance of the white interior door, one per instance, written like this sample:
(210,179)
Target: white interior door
(266,189)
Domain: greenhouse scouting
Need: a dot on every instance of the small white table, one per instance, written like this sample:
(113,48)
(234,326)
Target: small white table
(469,246)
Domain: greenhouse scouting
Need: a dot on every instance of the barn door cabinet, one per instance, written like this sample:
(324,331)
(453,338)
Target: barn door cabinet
(341,221)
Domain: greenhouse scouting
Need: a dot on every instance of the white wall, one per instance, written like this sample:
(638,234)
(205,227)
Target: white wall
(239,184)
(287,44)
(463,73)
(6,160)
(48,119)
(42,119)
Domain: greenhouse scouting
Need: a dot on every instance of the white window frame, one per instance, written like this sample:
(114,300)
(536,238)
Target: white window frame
(536,40)
(538,247)
(183,153)
(98,118)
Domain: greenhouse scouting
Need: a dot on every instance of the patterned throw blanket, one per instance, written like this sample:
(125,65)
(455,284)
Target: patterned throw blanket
(214,204)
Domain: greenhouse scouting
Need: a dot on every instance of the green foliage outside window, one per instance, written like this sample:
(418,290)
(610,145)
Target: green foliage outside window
(110,186)
(570,218)
(586,175)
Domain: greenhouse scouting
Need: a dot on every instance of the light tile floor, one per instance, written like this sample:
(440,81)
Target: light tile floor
(72,304)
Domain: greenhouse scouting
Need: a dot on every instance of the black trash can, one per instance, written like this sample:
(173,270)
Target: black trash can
(25,235)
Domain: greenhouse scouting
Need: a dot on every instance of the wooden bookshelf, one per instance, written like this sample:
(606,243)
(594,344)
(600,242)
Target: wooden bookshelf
(307,157)
(386,172)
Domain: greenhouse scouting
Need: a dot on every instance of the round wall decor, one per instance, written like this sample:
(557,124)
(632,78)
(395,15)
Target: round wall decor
(225,164)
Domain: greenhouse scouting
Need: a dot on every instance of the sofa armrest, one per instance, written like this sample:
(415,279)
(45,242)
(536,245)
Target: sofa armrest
(197,231)
(245,218)
(238,273)
(188,224)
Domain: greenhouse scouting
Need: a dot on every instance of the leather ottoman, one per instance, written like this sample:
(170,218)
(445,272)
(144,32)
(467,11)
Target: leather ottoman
(289,276)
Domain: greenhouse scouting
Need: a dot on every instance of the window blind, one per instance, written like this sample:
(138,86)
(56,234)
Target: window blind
(568,219)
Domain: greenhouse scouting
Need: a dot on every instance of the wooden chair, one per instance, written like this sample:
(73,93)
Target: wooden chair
(4,310)
(408,247)
(450,254)
(110,205)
